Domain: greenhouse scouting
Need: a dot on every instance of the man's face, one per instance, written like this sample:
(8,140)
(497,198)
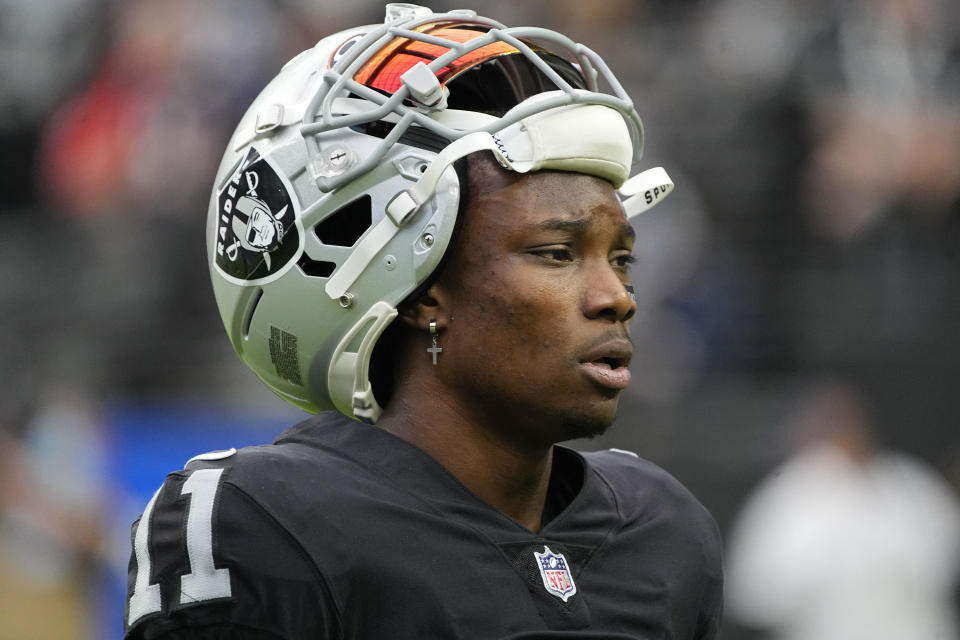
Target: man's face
(537,303)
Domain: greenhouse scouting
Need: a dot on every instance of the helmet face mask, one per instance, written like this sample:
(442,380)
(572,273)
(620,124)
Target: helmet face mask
(337,196)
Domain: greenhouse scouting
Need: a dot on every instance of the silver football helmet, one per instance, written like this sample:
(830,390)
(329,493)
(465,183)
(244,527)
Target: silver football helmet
(337,195)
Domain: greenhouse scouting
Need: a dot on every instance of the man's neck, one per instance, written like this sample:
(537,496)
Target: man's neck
(510,476)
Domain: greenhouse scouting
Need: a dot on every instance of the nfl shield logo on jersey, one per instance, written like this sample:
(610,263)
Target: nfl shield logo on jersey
(556,575)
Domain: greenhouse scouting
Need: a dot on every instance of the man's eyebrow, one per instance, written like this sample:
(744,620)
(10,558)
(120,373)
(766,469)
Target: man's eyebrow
(580,226)
(571,226)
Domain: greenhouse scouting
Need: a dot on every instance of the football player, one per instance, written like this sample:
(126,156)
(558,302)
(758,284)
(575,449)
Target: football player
(447,289)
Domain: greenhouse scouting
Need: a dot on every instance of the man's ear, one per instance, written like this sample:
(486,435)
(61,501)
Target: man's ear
(431,305)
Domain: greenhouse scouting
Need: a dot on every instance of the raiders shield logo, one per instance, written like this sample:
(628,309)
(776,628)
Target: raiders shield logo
(258,232)
(555,573)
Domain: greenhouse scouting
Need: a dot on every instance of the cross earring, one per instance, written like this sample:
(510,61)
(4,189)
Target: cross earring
(434,350)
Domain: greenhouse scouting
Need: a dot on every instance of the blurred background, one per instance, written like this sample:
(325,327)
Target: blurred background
(797,341)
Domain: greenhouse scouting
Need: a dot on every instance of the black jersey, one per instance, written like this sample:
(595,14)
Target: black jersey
(341,530)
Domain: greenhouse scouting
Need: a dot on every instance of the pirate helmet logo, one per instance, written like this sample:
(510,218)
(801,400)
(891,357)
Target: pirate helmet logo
(264,230)
(258,232)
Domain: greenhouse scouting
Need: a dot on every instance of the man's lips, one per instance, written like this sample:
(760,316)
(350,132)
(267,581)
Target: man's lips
(606,364)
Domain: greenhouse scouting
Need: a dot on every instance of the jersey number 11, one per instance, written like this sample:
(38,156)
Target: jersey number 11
(204,581)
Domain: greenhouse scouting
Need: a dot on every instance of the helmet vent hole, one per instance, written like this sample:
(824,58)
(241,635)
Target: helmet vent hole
(316,268)
(343,227)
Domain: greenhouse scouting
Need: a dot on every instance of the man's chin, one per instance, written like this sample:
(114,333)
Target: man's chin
(588,424)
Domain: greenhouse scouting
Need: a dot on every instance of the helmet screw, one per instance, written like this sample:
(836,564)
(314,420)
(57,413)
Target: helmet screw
(428,239)
(338,156)
(391,262)
(346,300)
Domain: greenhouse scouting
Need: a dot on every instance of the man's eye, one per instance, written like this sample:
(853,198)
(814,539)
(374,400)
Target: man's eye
(624,260)
(555,254)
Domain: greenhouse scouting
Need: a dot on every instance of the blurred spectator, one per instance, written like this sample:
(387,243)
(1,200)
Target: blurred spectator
(129,161)
(845,541)
(51,519)
(882,82)
(146,135)
(46,50)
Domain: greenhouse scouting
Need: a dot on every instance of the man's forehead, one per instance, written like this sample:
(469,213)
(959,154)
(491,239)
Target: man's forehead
(548,200)
(554,201)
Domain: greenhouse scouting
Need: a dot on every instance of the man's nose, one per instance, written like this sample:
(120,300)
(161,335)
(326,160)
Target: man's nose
(606,295)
